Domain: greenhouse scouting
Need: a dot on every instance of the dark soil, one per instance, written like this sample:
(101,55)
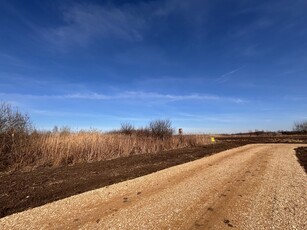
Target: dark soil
(24,190)
(264,138)
(301,154)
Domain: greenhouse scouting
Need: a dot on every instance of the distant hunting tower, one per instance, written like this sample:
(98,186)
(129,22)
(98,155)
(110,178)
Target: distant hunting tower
(180,131)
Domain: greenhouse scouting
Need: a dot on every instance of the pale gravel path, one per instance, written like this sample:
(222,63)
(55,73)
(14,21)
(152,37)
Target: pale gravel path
(259,186)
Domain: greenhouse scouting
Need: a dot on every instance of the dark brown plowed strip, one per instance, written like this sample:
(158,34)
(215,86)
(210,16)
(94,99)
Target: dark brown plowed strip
(23,190)
(20,191)
(301,154)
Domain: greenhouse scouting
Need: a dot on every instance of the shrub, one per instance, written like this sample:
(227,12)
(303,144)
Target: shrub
(12,121)
(127,128)
(300,126)
(15,128)
(161,128)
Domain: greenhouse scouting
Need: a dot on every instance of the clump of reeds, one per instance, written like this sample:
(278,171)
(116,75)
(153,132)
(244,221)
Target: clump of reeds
(61,149)
(56,149)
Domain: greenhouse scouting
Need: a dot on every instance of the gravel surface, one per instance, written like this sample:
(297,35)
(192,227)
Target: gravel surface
(258,186)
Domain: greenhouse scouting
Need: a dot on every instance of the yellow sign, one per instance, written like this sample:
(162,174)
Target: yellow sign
(212,139)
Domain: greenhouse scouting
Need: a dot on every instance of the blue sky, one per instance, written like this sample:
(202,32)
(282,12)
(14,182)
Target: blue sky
(209,66)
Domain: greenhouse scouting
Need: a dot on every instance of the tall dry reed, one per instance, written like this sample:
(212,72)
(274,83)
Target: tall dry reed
(56,149)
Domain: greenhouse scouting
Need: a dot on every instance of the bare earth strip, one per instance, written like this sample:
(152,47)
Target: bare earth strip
(259,186)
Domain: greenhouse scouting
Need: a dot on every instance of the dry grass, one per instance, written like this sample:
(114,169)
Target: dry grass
(21,147)
(56,149)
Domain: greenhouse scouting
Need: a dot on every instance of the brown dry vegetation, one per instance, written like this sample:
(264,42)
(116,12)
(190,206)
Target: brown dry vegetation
(22,147)
(22,190)
(58,149)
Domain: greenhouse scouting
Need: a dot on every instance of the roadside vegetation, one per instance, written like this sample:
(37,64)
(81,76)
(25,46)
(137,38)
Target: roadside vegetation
(300,126)
(23,147)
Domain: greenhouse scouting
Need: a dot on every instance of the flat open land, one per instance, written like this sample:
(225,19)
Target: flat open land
(256,186)
(23,190)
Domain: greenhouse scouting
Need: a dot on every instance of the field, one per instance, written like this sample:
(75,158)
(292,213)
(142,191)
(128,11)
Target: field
(254,186)
(46,149)
(21,190)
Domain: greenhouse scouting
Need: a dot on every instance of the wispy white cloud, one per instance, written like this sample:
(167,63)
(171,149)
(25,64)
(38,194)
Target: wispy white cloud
(84,23)
(226,77)
(291,72)
(29,96)
(61,113)
(92,118)
(140,95)
(90,96)
(201,118)
(16,62)
(221,117)
(19,79)
(17,13)
(88,22)
(172,97)
(130,95)
(189,10)
(295,98)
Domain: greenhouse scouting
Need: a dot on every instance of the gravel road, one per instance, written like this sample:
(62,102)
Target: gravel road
(258,186)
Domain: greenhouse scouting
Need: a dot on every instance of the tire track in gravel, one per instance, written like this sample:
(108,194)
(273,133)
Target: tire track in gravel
(251,187)
(237,191)
(265,197)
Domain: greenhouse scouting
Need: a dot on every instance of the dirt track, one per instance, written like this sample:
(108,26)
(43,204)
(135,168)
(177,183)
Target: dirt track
(260,186)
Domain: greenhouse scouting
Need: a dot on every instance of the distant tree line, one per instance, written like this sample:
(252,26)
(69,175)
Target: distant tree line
(300,126)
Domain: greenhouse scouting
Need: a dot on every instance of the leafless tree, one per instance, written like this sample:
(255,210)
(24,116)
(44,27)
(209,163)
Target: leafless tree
(12,121)
(127,128)
(161,128)
(300,126)
(15,129)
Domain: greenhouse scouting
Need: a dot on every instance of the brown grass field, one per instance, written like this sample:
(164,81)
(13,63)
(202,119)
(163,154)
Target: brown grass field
(69,148)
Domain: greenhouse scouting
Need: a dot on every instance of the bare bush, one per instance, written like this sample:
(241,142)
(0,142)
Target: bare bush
(161,128)
(12,121)
(300,126)
(127,128)
(15,128)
